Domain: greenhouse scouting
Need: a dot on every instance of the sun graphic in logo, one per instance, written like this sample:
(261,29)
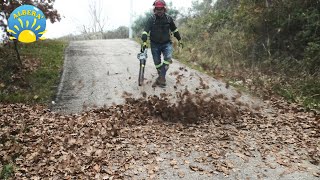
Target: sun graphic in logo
(27,23)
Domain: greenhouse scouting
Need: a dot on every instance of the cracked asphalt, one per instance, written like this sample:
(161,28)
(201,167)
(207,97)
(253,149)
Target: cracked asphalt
(96,74)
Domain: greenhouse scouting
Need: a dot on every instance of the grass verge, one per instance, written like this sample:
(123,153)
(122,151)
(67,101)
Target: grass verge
(36,79)
(7,171)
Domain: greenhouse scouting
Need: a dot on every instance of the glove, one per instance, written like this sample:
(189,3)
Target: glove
(180,44)
(143,46)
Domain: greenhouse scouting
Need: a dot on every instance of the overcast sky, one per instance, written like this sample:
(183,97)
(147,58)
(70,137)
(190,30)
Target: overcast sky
(75,14)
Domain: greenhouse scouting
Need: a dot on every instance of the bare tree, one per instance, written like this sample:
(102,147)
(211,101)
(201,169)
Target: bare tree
(95,12)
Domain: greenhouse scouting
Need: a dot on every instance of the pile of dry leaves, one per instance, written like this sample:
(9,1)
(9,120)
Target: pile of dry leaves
(126,141)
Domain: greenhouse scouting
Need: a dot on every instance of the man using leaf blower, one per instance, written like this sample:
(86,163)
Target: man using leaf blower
(160,25)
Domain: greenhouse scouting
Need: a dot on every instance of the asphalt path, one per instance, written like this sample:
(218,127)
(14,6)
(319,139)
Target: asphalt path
(98,73)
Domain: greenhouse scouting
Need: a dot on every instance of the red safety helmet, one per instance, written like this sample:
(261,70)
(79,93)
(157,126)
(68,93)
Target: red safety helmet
(159,4)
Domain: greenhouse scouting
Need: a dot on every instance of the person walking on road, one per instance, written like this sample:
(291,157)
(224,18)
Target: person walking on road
(159,27)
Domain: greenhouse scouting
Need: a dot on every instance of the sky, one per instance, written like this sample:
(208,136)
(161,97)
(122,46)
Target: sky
(75,14)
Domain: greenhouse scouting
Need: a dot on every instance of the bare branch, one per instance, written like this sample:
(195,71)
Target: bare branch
(95,12)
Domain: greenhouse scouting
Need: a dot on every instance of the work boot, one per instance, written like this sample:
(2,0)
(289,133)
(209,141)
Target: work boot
(160,81)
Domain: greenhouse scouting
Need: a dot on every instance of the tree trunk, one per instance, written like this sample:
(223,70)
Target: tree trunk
(17,51)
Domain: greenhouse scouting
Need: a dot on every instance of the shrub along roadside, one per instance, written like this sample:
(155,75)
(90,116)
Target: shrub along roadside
(256,78)
(37,79)
(270,48)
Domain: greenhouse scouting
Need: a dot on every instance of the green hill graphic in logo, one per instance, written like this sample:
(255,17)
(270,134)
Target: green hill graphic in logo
(27,24)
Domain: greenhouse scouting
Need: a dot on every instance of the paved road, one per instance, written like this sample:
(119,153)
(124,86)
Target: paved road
(97,73)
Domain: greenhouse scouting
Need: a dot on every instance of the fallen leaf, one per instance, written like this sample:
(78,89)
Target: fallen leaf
(96,168)
(181,174)
(173,162)
(316,174)
(159,159)
(194,168)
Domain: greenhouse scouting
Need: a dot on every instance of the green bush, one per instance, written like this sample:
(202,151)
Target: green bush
(280,39)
